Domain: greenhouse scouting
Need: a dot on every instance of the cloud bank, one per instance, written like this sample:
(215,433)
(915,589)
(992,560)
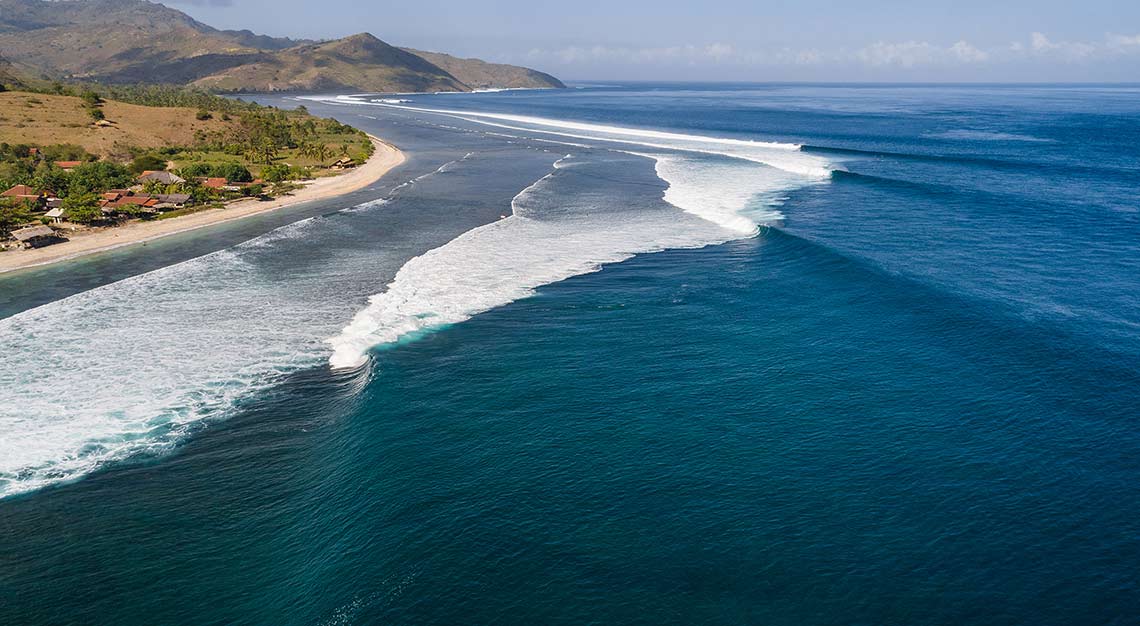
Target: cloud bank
(879,55)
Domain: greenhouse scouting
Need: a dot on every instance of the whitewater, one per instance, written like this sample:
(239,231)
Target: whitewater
(132,368)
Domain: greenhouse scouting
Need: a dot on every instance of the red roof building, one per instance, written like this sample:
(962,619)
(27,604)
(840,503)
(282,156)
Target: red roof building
(23,192)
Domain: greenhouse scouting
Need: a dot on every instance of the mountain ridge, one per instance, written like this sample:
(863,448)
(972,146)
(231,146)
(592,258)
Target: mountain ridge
(132,41)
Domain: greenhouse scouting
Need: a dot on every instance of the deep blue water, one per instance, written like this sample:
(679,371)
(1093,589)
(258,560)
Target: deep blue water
(909,399)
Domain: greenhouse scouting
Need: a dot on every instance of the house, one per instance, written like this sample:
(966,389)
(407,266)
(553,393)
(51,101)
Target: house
(56,215)
(22,192)
(213,183)
(126,201)
(343,163)
(166,178)
(67,166)
(167,201)
(36,236)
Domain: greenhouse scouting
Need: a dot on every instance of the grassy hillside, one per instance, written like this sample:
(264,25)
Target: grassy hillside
(40,119)
(132,41)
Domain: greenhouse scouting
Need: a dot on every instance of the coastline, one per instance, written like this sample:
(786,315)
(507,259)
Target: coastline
(380,163)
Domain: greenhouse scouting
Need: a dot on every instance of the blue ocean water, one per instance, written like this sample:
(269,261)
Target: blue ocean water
(900,392)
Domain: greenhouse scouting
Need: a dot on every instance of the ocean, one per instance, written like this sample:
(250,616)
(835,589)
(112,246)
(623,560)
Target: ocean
(624,353)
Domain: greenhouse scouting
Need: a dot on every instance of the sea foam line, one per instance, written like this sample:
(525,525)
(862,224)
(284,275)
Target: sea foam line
(784,156)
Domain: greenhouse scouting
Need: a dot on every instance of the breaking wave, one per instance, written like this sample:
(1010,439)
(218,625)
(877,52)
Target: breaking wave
(132,367)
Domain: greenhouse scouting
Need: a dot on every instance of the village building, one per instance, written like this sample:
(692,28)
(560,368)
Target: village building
(167,201)
(67,166)
(36,236)
(166,178)
(24,193)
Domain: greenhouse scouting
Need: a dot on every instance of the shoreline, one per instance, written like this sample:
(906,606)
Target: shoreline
(379,164)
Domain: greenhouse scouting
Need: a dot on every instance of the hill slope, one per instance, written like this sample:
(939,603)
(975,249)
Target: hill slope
(361,62)
(479,74)
(127,41)
(35,118)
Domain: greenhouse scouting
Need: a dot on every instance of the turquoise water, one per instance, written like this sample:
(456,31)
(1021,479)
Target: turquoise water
(909,397)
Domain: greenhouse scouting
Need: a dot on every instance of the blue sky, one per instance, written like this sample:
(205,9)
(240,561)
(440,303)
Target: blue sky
(874,40)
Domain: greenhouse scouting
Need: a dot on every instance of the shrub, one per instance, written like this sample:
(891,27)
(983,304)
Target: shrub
(145,162)
(233,172)
(275,173)
(203,115)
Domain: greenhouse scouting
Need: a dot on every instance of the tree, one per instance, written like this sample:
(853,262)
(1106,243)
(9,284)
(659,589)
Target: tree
(49,178)
(82,208)
(12,216)
(233,172)
(203,115)
(275,173)
(98,176)
(147,162)
(195,170)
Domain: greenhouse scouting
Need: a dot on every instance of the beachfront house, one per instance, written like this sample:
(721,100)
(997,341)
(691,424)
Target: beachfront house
(55,214)
(36,236)
(169,201)
(118,201)
(343,163)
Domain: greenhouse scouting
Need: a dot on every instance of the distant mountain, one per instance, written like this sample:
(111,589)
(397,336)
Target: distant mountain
(10,78)
(479,74)
(360,62)
(129,41)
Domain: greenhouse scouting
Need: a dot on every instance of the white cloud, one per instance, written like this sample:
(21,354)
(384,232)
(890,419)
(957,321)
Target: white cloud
(906,54)
(968,53)
(1067,50)
(880,54)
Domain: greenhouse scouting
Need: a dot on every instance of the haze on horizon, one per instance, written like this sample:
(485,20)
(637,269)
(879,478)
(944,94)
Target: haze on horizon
(812,40)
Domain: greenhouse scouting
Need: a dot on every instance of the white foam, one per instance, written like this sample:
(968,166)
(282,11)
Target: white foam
(785,156)
(502,262)
(131,367)
(547,239)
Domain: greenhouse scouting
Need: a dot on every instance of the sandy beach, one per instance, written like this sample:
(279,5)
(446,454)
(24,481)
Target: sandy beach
(383,159)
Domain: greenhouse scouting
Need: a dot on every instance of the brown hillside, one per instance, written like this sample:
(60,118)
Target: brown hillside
(34,118)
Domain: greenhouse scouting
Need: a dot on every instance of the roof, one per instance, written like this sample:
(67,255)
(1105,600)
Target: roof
(167,178)
(68,164)
(173,198)
(21,191)
(32,232)
(140,200)
(56,212)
